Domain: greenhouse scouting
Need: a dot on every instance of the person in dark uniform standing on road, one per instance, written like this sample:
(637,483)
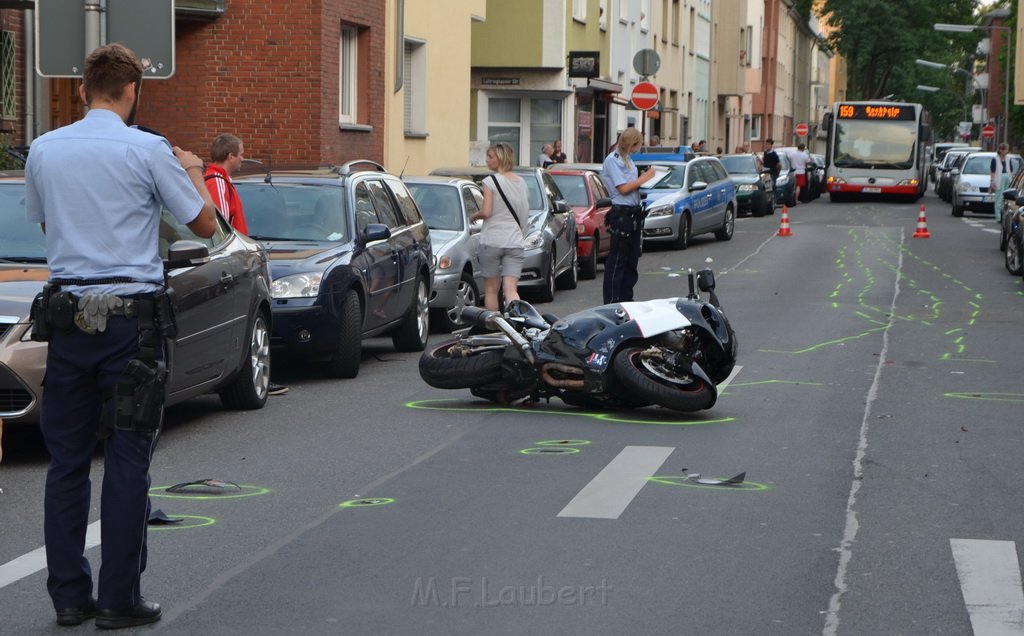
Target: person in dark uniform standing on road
(97,187)
(625,219)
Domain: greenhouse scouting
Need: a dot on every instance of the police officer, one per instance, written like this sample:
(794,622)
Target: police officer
(97,187)
(625,219)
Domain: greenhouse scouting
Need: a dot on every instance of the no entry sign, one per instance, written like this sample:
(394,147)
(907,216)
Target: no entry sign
(644,96)
(802,130)
(988,131)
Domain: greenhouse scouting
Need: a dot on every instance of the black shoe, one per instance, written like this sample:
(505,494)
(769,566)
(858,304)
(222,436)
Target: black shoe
(143,613)
(71,616)
(276,389)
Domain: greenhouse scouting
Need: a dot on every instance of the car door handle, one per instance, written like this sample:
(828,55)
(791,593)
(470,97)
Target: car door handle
(227,280)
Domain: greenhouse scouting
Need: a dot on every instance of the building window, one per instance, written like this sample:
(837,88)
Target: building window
(525,124)
(602,15)
(579,10)
(348,85)
(504,122)
(755,127)
(645,15)
(623,12)
(8,79)
(746,45)
(675,22)
(415,70)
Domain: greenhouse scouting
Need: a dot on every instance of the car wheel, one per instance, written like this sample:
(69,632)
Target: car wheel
(249,389)
(588,266)
(570,278)
(1013,257)
(547,292)
(683,237)
(728,225)
(467,294)
(761,208)
(957,210)
(411,334)
(344,362)
(792,198)
(1004,231)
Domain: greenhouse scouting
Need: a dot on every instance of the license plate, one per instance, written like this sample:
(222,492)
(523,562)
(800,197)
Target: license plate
(873,190)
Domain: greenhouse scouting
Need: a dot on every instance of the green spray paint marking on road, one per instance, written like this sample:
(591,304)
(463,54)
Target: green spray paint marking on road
(604,417)
(822,345)
(683,480)
(247,491)
(197,521)
(988,397)
(549,450)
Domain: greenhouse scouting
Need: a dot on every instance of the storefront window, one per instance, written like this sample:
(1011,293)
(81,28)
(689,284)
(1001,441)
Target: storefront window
(545,124)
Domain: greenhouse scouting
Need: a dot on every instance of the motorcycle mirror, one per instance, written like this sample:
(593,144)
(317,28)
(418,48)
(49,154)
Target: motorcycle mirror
(706,280)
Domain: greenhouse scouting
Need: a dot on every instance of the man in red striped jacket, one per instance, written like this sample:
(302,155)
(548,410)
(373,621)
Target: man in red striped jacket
(225,160)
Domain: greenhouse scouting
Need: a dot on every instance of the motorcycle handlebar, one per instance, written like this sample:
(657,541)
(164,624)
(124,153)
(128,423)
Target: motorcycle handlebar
(479,316)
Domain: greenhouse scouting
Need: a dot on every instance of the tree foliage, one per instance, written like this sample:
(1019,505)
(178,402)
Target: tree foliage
(880,39)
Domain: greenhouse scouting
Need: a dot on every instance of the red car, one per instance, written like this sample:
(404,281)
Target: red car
(586,194)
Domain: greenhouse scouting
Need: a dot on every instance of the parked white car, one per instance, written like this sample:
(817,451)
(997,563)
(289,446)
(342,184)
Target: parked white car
(971,183)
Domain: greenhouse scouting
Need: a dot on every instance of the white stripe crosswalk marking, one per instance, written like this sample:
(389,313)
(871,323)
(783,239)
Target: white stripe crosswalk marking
(34,561)
(991,585)
(608,494)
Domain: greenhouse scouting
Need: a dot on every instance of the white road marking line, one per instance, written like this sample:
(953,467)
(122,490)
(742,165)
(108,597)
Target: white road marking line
(991,584)
(34,561)
(608,494)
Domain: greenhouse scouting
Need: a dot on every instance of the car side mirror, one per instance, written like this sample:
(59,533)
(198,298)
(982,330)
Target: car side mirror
(1010,195)
(186,254)
(376,232)
(955,171)
(603,202)
(476,226)
(561,206)
(1020,202)
(697,186)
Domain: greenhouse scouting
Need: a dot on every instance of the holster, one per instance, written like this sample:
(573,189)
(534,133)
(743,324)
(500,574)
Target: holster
(139,397)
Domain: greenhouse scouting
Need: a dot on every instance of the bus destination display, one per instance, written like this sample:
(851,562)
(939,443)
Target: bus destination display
(879,111)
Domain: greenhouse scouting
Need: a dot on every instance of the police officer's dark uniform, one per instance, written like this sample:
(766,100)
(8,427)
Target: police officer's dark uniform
(97,186)
(625,226)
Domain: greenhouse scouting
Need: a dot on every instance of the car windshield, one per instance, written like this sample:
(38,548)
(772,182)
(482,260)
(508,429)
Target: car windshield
(536,196)
(573,188)
(668,177)
(440,204)
(295,211)
(977,165)
(20,241)
(739,165)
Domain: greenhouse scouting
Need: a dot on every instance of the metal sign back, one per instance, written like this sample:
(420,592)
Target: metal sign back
(144,26)
(646,62)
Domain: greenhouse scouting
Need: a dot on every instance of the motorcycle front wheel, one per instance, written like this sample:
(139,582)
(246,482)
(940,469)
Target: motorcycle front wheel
(653,380)
(450,365)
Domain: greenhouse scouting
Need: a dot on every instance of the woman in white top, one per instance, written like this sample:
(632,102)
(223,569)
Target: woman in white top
(1000,179)
(505,213)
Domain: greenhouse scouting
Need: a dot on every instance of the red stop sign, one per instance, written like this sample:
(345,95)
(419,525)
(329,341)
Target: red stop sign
(988,131)
(644,96)
(802,130)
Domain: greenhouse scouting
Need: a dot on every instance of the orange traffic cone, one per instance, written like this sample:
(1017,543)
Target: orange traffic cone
(784,225)
(922,225)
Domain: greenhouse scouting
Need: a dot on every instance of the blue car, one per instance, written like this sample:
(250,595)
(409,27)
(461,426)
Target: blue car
(687,198)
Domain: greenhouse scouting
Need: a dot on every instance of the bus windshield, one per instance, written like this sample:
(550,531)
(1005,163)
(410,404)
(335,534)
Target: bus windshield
(875,144)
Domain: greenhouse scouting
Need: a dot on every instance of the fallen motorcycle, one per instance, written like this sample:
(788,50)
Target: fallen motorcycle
(670,351)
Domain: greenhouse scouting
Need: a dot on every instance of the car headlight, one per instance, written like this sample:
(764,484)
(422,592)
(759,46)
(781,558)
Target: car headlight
(660,210)
(535,240)
(746,187)
(297,286)
(444,262)
(781,181)
(967,186)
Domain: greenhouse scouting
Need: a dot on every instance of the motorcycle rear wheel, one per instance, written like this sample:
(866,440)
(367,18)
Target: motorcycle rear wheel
(444,366)
(660,384)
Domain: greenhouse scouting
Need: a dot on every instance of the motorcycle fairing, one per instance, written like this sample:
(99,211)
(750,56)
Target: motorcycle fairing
(654,317)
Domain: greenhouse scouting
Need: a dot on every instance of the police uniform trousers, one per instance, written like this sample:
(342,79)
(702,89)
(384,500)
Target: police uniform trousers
(82,369)
(620,266)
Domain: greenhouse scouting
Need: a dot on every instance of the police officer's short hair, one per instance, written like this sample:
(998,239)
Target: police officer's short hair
(108,69)
(224,145)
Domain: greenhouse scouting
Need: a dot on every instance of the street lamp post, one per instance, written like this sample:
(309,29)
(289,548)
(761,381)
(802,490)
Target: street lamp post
(936,89)
(967,28)
(952,68)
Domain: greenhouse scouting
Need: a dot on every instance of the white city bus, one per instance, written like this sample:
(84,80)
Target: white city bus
(876,148)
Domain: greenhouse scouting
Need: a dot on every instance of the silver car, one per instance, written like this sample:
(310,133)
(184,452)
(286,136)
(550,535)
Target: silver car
(972,180)
(551,261)
(446,204)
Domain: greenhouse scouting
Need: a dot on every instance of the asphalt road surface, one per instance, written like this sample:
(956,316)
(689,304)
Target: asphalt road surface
(877,414)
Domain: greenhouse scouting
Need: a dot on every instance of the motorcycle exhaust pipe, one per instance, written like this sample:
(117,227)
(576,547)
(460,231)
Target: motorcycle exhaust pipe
(575,383)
